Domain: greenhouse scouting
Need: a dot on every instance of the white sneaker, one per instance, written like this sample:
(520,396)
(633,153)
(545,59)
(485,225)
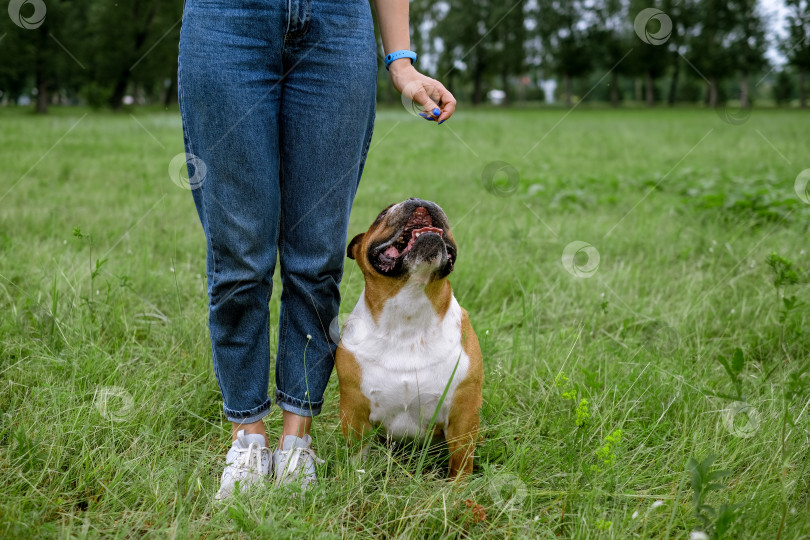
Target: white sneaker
(295,462)
(247,461)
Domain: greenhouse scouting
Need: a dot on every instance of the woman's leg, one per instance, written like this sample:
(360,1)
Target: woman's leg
(327,115)
(230,72)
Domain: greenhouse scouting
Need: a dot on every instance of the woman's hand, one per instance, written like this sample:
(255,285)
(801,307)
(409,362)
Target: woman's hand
(438,102)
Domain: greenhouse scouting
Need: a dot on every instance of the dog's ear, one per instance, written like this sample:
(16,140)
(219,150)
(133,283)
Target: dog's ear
(355,243)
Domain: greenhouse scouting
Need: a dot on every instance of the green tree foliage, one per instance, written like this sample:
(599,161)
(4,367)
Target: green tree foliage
(508,38)
(649,60)
(782,88)
(612,41)
(797,45)
(748,44)
(565,33)
(99,50)
(484,37)
(134,42)
(684,16)
(43,57)
(711,45)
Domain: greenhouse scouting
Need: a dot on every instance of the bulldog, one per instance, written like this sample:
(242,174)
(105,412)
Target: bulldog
(408,343)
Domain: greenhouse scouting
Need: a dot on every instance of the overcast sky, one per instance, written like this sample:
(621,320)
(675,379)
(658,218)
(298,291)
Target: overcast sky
(774,13)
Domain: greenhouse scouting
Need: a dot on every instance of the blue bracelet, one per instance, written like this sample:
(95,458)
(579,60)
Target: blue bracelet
(396,55)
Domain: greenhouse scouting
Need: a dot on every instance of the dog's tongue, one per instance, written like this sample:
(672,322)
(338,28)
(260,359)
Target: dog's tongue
(392,252)
(419,232)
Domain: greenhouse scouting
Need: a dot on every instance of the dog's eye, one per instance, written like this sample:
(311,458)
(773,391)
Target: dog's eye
(382,214)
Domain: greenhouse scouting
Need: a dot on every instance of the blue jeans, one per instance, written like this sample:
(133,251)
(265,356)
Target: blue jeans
(277,99)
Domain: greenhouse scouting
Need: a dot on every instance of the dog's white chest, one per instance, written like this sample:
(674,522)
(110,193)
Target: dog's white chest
(407,359)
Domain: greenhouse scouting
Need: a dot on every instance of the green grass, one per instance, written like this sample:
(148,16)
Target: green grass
(111,418)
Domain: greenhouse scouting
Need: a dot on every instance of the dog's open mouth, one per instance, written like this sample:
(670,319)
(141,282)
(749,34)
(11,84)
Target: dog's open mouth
(392,252)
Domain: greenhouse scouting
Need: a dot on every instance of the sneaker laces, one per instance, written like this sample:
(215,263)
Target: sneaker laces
(296,458)
(250,459)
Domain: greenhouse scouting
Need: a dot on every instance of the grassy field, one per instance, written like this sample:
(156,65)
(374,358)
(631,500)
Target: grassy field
(618,268)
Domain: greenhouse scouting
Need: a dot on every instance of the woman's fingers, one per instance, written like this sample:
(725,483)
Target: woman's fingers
(436,101)
(448,103)
(432,110)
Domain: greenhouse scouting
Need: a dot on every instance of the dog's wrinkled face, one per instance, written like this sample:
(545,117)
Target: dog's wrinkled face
(406,238)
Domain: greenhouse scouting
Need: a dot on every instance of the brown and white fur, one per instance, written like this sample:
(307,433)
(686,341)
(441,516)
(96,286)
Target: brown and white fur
(407,334)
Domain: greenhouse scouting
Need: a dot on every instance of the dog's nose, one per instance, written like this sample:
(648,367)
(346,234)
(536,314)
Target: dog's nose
(420,202)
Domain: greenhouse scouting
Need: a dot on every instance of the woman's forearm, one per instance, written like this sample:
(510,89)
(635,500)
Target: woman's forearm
(392,17)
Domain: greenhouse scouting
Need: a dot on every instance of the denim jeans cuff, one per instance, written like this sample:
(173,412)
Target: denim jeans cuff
(297,406)
(248,417)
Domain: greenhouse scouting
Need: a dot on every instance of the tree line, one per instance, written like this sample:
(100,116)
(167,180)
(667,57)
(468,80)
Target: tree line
(669,50)
(113,52)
